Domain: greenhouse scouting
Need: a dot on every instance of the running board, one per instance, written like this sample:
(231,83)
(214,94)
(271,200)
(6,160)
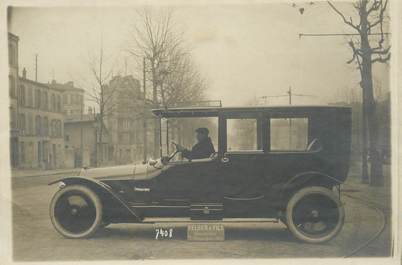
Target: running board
(152,220)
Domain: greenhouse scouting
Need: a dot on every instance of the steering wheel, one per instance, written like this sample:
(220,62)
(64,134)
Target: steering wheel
(174,153)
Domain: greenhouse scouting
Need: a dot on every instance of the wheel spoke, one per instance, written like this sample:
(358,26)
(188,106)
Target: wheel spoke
(315,215)
(75,212)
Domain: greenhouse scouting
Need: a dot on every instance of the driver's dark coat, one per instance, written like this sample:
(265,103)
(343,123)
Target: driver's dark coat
(202,149)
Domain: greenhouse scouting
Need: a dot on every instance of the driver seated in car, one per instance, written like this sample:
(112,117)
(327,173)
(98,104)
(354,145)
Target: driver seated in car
(202,149)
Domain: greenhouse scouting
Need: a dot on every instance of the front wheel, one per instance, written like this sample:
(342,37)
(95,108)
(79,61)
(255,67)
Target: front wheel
(314,215)
(76,211)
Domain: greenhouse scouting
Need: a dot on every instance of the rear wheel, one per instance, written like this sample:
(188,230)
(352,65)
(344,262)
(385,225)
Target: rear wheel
(76,211)
(314,215)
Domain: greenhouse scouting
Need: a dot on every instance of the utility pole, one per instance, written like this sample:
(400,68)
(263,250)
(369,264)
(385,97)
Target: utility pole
(36,67)
(290,95)
(145,140)
(81,135)
(290,119)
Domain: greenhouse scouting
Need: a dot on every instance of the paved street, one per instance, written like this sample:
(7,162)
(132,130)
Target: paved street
(36,240)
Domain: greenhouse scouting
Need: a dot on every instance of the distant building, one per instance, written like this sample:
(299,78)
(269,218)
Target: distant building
(49,129)
(13,90)
(73,99)
(125,122)
(82,142)
(40,125)
(36,119)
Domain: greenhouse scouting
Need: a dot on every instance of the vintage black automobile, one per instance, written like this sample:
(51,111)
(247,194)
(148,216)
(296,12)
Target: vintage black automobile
(291,170)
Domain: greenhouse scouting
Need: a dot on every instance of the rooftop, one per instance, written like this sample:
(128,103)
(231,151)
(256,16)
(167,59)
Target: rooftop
(69,86)
(36,83)
(214,111)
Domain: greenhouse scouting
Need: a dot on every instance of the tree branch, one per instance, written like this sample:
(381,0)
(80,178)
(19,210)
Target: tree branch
(356,52)
(375,6)
(379,50)
(380,16)
(348,22)
(381,59)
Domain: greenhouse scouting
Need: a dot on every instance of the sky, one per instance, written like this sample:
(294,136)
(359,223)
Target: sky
(244,51)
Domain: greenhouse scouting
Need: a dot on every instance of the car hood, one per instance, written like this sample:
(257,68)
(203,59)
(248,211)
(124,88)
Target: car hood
(132,171)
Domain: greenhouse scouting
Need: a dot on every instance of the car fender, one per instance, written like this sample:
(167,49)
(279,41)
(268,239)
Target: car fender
(310,177)
(98,186)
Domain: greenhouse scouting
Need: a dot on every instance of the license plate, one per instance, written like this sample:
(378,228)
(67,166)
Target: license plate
(205,232)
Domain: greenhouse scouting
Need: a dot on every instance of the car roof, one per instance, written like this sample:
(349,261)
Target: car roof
(215,111)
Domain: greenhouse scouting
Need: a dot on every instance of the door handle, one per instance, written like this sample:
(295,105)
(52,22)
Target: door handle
(142,189)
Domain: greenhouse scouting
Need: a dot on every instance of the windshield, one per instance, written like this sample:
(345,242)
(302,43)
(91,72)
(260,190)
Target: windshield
(183,132)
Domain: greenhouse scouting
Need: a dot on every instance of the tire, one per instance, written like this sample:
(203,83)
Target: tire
(76,211)
(315,215)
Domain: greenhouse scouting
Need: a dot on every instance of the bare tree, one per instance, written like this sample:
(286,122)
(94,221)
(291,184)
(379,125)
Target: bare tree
(153,41)
(184,84)
(157,41)
(368,49)
(101,94)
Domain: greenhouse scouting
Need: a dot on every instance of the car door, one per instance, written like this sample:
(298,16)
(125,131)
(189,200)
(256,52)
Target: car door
(294,147)
(186,183)
(243,174)
(242,164)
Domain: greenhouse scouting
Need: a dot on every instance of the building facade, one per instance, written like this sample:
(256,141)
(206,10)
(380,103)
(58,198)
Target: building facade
(125,122)
(13,90)
(49,129)
(73,99)
(36,119)
(40,125)
(83,144)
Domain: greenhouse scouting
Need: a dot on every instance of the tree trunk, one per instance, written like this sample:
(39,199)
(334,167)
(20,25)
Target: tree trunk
(376,177)
(365,173)
(100,153)
(155,103)
(376,174)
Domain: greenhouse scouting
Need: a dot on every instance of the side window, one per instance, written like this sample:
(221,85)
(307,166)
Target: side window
(289,134)
(241,135)
(182,131)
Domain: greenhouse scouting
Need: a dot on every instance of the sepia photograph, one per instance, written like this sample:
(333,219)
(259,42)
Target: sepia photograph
(200,130)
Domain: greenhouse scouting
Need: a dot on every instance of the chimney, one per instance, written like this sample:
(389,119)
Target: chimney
(24,73)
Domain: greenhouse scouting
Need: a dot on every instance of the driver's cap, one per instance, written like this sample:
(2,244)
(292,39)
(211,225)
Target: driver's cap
(202,130)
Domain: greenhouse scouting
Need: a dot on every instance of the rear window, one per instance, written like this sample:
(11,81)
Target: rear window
(289,134)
